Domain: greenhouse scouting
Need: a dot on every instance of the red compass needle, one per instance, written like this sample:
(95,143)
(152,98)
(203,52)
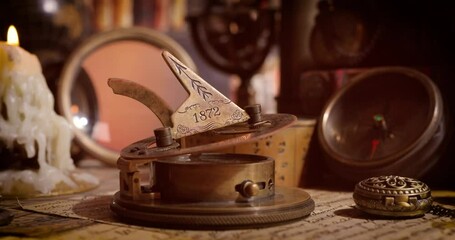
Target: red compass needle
(374,147)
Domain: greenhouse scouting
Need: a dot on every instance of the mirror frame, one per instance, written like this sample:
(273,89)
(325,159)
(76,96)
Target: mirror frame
(73,66)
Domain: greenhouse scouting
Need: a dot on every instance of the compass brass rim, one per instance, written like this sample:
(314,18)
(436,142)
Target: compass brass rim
(433,123)
(287,205)
(217,159)
(275,123)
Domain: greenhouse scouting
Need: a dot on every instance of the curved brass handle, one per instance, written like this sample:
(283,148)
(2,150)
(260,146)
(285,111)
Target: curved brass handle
(145,96)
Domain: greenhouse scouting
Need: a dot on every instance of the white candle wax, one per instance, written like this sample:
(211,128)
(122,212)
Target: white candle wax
(28,118)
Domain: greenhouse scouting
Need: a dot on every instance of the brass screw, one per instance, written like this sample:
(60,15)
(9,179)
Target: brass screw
(163,137)
(254,111)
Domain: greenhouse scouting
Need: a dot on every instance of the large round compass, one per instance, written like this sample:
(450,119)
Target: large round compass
(386,121)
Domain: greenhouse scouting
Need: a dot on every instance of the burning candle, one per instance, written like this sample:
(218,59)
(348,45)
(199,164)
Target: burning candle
(12,36)
(28,121)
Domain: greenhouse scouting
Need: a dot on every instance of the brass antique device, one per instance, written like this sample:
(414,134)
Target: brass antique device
(393,196)
(189,186)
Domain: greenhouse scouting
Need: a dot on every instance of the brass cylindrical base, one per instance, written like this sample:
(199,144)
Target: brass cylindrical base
(212,177)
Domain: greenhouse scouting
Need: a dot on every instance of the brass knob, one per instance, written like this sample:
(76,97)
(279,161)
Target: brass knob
(249,189)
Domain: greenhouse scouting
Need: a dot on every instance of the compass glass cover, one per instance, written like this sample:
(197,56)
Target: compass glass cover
(380,116)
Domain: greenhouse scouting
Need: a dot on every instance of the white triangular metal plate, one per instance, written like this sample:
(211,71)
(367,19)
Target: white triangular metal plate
(205,108)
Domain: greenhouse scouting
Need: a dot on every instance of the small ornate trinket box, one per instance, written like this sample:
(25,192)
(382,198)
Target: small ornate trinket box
(393,196)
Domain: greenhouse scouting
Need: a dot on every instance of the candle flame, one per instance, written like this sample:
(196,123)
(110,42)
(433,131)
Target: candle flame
(12,37)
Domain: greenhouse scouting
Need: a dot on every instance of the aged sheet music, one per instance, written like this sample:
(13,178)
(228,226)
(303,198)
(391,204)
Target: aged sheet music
(334,217)
(87,216)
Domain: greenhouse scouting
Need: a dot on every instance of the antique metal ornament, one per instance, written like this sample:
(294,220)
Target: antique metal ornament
(393,196)
(174,179)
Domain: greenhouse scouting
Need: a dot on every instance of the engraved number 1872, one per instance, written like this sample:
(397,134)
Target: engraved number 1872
(206,114)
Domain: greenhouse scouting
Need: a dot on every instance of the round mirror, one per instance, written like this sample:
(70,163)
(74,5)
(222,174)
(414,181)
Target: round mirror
(104,122)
